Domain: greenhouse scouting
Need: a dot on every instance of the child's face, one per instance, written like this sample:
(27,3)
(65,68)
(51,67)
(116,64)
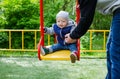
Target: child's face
(62,22)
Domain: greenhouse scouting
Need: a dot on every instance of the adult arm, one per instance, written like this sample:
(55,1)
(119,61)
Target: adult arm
(87,8)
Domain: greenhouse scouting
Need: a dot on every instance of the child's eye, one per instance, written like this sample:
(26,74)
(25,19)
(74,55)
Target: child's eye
(58,21)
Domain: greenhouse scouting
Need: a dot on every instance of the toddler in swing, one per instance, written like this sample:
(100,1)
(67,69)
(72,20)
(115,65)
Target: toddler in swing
(63,26)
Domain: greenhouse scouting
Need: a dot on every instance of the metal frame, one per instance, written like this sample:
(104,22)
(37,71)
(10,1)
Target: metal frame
(41,42)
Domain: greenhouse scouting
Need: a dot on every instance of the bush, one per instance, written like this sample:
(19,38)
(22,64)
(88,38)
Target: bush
(20,14)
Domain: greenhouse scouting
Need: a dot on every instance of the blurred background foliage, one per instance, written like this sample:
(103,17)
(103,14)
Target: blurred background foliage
(24,14)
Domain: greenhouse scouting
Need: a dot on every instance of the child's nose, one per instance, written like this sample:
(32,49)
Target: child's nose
(60,22)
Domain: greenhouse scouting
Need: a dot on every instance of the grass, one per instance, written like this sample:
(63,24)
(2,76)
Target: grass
(34,54)
(17,54)
(32,68)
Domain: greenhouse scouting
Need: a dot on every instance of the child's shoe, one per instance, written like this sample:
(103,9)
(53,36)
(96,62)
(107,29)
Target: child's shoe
(73,57)
(44,50)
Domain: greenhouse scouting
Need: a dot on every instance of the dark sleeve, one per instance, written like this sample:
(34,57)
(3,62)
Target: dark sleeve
(87,9)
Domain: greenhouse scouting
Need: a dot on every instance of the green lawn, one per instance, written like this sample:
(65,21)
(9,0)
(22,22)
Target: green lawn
(32,68)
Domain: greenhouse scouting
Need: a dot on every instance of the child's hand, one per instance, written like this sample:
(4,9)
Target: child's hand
(45,30)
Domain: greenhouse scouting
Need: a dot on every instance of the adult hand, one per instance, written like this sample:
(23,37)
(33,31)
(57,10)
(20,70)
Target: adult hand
(68,39)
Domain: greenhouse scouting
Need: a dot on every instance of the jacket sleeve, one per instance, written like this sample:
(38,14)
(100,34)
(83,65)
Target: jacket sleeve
(87,9)
(50,30)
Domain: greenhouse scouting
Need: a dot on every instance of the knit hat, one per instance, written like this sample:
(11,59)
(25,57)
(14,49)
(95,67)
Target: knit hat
(63,14)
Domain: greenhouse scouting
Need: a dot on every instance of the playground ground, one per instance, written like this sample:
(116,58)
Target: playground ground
(32,68)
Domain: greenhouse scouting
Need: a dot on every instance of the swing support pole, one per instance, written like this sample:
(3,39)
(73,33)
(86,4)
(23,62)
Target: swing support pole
(41,41)
(41,22)
(77,20)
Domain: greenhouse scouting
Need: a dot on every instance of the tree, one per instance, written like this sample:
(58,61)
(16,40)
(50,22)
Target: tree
(21,14)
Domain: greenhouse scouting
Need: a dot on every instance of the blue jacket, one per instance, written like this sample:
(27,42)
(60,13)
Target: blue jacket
(60,32)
